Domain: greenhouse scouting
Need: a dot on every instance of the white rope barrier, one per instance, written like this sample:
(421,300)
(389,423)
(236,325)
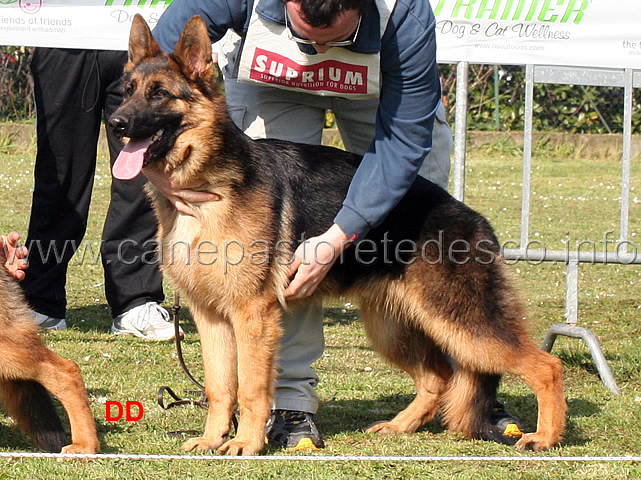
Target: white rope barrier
(319,458)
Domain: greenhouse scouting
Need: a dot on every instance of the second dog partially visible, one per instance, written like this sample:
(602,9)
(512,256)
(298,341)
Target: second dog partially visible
(28,369)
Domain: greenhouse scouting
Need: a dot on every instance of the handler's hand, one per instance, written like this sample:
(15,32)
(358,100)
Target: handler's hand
(180,196)
(14,256)
(313,259)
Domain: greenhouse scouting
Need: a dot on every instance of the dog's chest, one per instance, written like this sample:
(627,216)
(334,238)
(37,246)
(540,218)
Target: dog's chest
(218,257)
(187,244)
(195,248)
(183,232)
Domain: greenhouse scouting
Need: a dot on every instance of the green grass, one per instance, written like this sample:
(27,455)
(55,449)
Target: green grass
(572,199)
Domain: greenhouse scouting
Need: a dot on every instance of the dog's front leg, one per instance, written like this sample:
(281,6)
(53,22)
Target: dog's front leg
(257,333)
(221,380)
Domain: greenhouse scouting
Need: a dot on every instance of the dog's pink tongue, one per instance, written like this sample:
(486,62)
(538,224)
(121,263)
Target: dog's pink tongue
(130,161)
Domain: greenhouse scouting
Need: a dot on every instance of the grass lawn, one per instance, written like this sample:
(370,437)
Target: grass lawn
(574,200)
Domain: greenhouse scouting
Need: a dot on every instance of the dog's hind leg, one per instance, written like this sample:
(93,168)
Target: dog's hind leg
(468,403)
(63,379)
(472,389)
(477,319)
(542,373)
(409,349)
(221,380)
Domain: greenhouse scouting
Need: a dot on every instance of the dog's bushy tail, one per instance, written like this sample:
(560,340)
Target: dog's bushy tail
(468,405)
(31,406)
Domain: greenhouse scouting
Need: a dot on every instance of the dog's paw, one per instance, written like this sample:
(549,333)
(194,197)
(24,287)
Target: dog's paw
(79,448)
(237,446)
(535,441)
(383,428)
(201,444)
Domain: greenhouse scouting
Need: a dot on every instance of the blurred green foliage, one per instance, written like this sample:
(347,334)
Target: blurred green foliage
(16,89)
(557,108)
(560,108)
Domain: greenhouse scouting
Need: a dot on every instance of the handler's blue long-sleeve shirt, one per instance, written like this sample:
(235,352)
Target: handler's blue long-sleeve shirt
(409,94)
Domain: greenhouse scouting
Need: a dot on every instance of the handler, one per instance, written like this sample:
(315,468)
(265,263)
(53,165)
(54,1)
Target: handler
(285,63)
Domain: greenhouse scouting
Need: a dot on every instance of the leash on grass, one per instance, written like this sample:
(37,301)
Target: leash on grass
(202,402)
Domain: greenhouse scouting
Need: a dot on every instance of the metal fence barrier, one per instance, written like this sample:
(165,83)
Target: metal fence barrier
(624,78)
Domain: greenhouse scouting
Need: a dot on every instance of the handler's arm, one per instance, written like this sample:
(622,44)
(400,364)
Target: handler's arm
(409,98)
(219,16)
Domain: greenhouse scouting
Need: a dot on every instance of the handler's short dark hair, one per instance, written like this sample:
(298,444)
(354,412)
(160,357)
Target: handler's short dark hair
(322,13)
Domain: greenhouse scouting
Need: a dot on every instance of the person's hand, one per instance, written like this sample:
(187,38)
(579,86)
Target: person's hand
(313,259)
(180,196)
(14,255)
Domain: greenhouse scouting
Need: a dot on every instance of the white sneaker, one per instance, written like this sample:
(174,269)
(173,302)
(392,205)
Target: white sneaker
(48,322)
(149,321)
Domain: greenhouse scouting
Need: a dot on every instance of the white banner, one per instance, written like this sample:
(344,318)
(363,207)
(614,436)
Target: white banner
(584,33)
(589,33)
(93,24)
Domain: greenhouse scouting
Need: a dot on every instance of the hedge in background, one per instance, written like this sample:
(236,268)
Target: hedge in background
(557,108)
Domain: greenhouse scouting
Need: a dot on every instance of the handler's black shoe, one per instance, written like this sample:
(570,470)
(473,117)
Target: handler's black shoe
(292,429)
(505,427)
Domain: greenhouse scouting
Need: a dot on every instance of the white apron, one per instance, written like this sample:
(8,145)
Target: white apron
(270,58)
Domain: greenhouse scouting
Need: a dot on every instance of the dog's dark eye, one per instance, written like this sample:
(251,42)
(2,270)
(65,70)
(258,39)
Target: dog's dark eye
(161,93)
(129,89)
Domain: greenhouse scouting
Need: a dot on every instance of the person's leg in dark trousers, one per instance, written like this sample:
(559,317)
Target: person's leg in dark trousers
(132,274)
(67,134)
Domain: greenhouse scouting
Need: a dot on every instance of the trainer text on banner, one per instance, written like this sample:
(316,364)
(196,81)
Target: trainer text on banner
(590,33)
(89,24)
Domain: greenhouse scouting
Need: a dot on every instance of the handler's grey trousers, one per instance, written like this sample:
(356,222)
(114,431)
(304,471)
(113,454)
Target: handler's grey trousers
(266,112)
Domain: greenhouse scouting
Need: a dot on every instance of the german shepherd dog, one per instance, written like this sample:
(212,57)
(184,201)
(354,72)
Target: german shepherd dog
(28,369)
(448,295)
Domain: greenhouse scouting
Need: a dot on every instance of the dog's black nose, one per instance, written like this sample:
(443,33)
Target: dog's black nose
(118,124)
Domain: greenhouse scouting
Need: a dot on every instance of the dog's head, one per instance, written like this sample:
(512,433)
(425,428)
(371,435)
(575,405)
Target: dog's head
(164,94)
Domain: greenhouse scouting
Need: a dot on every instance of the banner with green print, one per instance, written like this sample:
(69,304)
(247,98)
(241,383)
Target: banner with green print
(588,33)
(91,24)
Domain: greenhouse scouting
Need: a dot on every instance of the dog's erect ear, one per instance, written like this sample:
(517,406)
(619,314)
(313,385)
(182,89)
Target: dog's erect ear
(141,43)
(193,51)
